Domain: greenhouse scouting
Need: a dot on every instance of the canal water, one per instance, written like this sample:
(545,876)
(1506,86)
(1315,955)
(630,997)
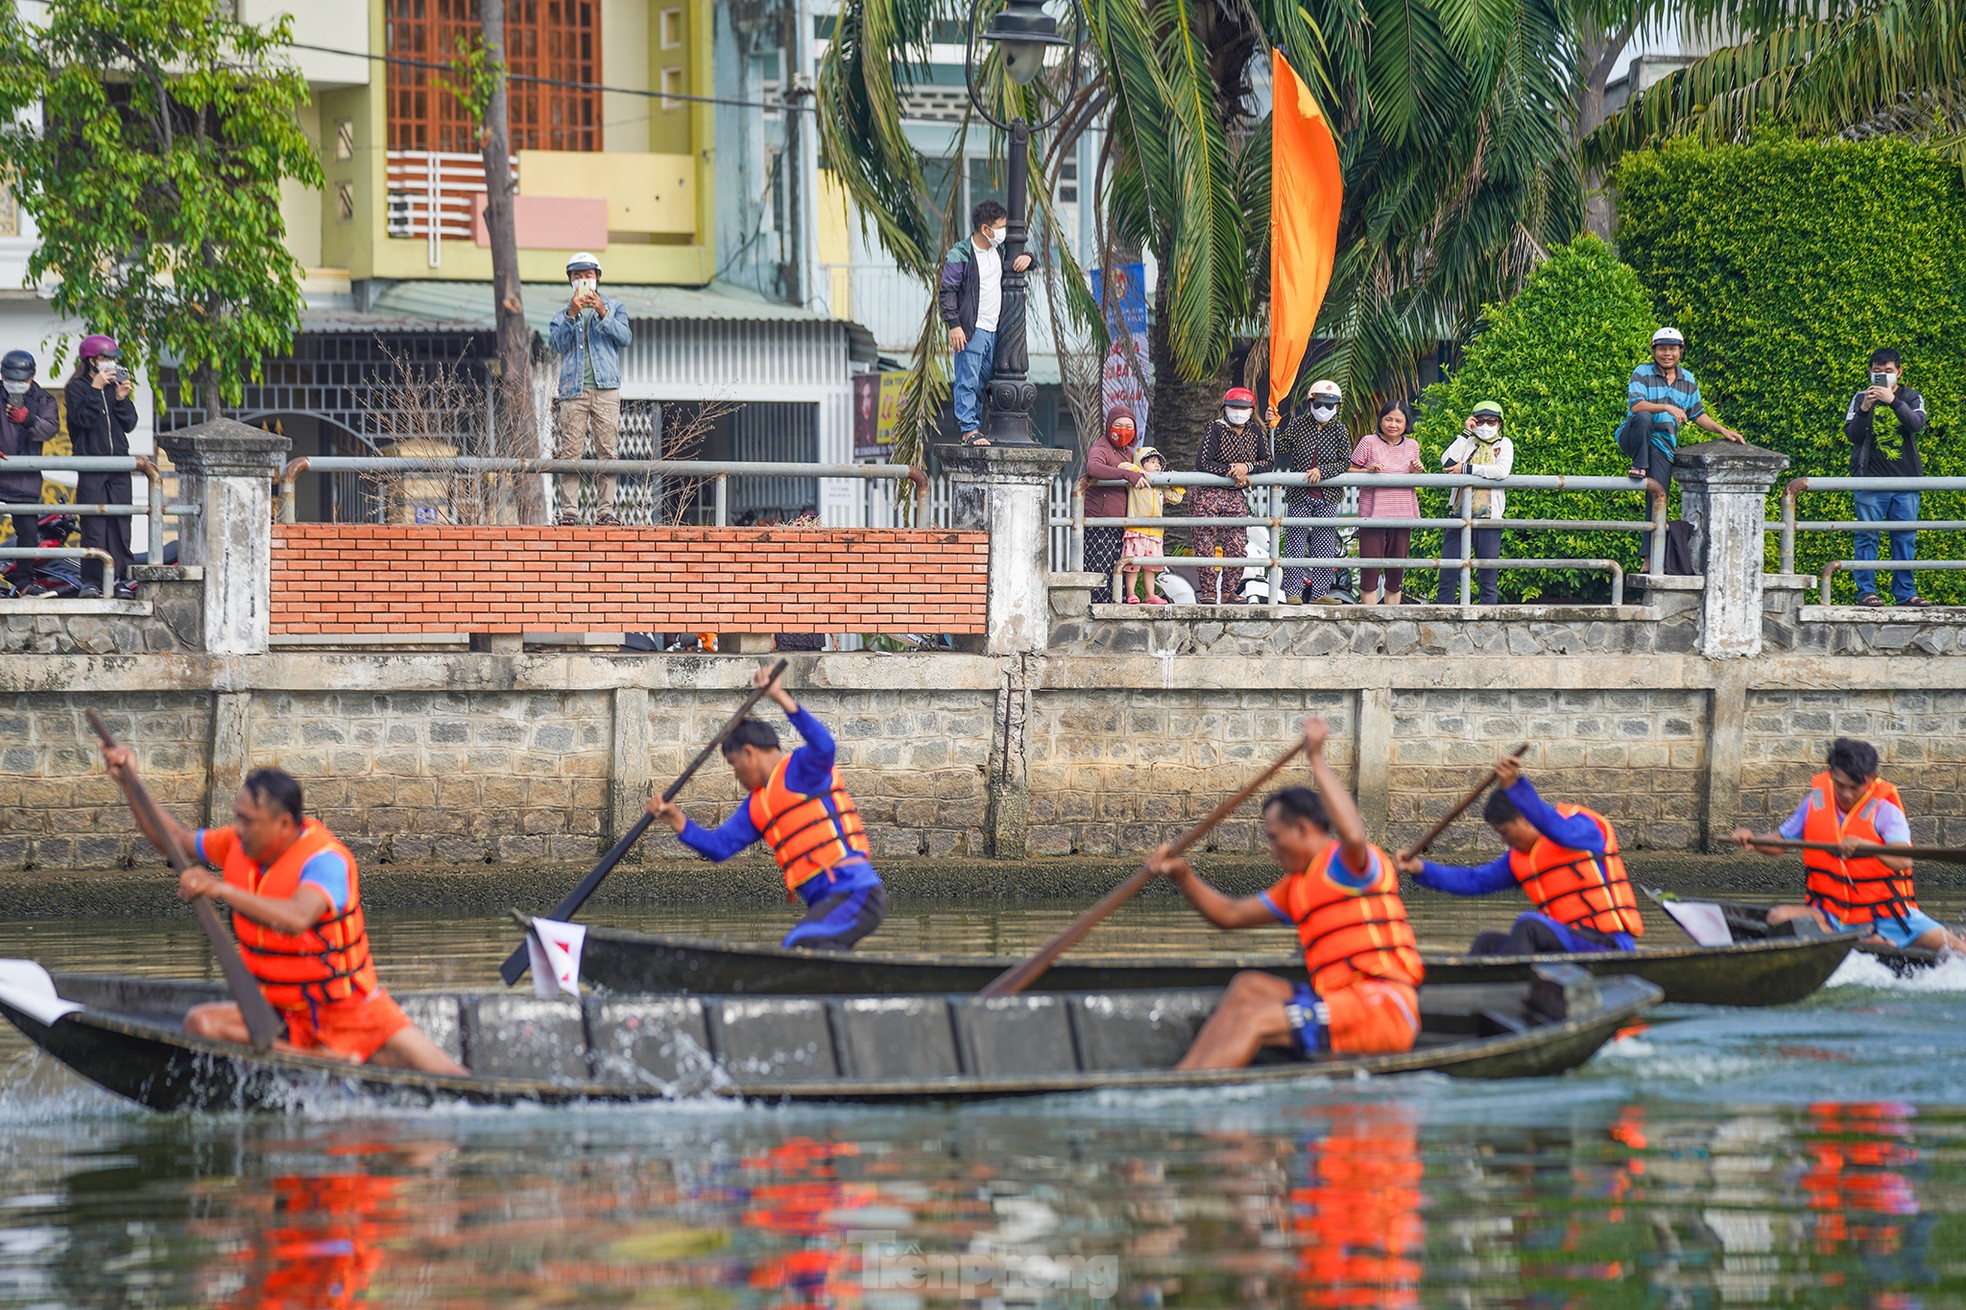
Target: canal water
(1808,1156)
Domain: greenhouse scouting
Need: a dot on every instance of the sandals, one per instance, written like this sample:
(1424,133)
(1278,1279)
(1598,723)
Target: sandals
(1132,599)
(1871,601)
(975,439)
(607,521)
(1915,603)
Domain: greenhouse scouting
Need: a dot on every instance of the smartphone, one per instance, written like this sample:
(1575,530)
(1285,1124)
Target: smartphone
(582,285)
(1880,379)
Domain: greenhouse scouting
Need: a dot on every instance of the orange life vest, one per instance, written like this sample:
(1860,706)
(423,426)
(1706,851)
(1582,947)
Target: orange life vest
(1576,888)
(1855,891)
(329,962)
(808,834)
(1352,932)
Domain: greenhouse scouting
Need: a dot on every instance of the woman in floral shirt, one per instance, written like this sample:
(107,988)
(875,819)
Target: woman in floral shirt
(1235,446)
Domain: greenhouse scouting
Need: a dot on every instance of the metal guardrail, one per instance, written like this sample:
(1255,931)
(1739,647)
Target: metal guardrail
(65,552)
(153,512)
(715,472)
(1274,487)
(1789,524)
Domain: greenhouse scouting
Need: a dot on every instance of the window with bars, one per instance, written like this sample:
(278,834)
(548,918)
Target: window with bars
(557,40)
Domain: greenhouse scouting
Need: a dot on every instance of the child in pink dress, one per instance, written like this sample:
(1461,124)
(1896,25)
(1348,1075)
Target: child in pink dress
(1388,450)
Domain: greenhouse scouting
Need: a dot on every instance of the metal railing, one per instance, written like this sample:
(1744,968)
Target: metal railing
(1791,524)
(153,511)
(715,472)
(1272,488)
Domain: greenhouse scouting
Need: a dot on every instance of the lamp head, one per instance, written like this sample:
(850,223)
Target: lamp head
(1022,30)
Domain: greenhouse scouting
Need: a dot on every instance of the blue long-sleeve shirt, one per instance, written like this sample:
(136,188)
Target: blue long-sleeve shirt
(1576,833)
(810,770)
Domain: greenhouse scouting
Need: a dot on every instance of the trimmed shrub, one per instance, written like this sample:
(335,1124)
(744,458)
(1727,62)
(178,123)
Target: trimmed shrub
(1556,358)
(1786,263)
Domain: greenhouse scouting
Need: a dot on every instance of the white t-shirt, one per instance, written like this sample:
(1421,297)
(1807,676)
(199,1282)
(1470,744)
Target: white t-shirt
(989,287)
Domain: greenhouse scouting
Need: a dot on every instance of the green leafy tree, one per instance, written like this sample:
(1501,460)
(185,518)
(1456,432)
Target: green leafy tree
(1786,263)
(1556,358)
(148,138)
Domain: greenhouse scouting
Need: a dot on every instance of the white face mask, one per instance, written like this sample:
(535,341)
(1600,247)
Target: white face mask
(1238,414)
(1487,431)
(15,390)
(1324,413)
(999,235)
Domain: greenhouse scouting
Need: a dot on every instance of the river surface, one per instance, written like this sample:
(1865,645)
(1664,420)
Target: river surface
(1808,1156)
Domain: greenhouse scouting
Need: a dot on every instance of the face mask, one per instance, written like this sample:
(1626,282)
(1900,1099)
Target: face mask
(1238,414)
(1324,413)
(1487,431)
(16,390)
(999,235)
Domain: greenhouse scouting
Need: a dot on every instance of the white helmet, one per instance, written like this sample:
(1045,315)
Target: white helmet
(583,262)
(1324,387)
(1667,336)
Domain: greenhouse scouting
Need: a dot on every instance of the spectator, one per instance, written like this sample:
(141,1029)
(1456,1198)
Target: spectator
(1480,450)
(1661,396)
(1388,450)
(1107,461)
(589,336)
(1233,447)
(971,298)
(1884,444)
(1145,501)
(100,420)
(32,416)
(1316,443)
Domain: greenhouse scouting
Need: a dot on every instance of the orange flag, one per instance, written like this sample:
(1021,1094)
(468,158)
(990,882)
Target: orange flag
(1306,191)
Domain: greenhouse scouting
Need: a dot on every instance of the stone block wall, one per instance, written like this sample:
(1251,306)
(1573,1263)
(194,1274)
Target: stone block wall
(1638,757)
(1918,734)
(1117,771)
(58,807)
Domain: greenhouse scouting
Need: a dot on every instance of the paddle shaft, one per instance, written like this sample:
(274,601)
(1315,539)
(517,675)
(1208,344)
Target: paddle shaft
(262,1024)
(1433,833)
(1015,979)
(1940,854)
(516,963)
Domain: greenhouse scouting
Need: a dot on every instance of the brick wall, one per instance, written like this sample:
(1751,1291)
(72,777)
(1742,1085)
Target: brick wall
(349,578)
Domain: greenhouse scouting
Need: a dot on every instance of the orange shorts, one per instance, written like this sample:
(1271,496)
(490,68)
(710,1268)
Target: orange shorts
(357,1028)
(1372,1017)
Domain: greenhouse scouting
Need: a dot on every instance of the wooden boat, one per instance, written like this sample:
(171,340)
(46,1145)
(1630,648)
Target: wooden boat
(1770,971)
(1750,923)
(124,1034)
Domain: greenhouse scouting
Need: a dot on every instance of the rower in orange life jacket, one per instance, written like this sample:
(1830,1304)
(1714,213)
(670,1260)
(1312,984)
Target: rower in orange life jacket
(1341,894)
(1850,805)
(1566,860)
(800,809)
(296,901)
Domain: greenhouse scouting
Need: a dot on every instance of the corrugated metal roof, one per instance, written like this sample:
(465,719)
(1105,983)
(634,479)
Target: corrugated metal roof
(472,302)
(353,321)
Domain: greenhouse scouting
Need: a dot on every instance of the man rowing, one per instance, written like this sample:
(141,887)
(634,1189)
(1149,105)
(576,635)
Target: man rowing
(296,900)
(1564,857)
(1340,892)
(800,808)
(1850,806)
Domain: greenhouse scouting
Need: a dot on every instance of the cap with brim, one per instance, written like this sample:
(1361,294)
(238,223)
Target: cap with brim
(1666,336)
(1240,396)
(1488,407)
(1325,387)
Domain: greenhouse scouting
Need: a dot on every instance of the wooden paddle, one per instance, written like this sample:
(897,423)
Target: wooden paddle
(1938,854)
(1433,833)
(1019,976)
(262,1024)
(518,962)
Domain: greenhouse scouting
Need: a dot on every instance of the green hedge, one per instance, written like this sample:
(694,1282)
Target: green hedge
(1786,263)
(1556,358)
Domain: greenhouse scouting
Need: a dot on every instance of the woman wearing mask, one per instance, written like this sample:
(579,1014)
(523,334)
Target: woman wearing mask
(1480,450)
(1317,444)
(1234,447)
(32,417)
(100,420)
(1109,460)
(1388,450)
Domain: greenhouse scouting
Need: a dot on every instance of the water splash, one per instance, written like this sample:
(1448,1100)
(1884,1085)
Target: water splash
(1863,971)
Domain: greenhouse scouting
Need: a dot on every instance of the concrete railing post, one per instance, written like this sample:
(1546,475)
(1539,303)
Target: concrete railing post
(1006,491)
(227,470)
(1724,494)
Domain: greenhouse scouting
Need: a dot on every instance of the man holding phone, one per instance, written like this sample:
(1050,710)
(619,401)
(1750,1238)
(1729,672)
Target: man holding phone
(589,335)
(1883,423)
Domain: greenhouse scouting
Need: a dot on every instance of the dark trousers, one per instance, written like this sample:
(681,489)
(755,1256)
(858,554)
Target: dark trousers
(1535,935)
(102,531)
(1487,545)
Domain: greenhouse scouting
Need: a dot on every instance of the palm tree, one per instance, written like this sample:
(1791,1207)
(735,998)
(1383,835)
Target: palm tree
(1453,118)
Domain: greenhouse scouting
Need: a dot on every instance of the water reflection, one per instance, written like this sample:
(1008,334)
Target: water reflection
(1363,1199)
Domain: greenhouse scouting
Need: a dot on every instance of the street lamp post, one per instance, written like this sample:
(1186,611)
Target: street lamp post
(1023,34)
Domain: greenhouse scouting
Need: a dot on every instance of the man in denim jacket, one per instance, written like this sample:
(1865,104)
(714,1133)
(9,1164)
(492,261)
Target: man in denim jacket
(589,336)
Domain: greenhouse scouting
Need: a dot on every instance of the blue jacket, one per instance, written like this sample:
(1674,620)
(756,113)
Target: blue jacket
(606,335)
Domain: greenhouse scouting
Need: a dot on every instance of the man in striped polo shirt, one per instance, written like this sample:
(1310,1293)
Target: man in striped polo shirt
(1660,397)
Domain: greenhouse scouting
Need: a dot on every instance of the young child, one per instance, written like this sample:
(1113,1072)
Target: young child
(1145,502)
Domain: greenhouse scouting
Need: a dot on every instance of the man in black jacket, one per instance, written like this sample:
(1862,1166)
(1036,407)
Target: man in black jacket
(1883,423)
(970,299)
(100,420)
(29,417)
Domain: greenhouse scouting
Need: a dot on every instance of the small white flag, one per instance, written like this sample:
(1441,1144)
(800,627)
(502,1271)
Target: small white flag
(1704,922)
(555,951)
